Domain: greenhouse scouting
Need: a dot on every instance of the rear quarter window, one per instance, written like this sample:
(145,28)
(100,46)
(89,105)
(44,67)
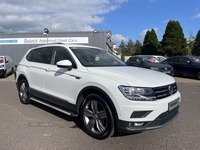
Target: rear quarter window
(40,55)
(29,56)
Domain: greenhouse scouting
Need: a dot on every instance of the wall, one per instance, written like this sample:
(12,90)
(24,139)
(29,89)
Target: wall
(16,51)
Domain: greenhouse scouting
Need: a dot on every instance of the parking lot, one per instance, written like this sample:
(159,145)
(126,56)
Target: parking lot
(36,127)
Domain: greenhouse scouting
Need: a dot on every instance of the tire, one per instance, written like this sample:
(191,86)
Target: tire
(24,92)
(2,73)
(5,74)
(96,117)
(198,75)
(12,70)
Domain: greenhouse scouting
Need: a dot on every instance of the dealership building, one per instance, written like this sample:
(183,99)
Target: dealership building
(16,45)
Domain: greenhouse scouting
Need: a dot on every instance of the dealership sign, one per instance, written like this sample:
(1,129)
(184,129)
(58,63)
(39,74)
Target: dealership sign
(75,40)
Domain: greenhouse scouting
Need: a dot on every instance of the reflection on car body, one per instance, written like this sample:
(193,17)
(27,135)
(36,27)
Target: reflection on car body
(150,62)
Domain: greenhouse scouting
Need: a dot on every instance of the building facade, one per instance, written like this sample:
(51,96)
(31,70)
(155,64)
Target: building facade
(16,45)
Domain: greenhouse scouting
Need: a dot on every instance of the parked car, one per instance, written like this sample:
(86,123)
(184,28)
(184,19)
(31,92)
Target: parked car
(6,66)
(93,84)
(149,62)
(185,65)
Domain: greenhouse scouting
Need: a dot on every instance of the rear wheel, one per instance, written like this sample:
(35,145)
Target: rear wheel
(96,117)
(24,92)
(198,75)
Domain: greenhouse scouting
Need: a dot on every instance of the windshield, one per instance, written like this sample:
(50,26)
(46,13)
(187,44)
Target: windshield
(150,59)
(195,58)
(93,57)
(1,59)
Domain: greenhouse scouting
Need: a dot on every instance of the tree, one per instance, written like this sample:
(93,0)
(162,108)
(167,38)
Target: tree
(130,45)
(190,42)
(124,50)
(150,43)
(196,47)
(160,50)
(122,46)
(137,47)
(173,42)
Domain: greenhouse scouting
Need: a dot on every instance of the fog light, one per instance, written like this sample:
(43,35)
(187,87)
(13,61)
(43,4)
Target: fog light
(138,124)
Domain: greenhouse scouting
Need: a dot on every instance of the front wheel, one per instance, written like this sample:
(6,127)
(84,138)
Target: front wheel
(24,93)
(96,117)
(5,74)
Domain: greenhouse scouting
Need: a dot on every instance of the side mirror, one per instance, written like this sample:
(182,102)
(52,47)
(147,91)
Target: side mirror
(64,64)
(188,62)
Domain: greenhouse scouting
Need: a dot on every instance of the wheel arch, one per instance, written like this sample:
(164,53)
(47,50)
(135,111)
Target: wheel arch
(95,90)
(21,77)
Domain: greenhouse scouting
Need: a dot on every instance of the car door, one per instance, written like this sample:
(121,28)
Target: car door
(8,64)
(175,63)
(38,59)
(59,82)
(186,66)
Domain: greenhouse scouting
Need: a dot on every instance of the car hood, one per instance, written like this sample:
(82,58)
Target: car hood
(133,76)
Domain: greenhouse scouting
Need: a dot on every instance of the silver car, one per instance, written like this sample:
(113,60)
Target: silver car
(6,66)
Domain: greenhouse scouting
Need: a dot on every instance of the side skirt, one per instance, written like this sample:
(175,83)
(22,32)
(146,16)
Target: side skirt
(54,107)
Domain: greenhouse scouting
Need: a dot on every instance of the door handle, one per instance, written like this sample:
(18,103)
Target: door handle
(48,70)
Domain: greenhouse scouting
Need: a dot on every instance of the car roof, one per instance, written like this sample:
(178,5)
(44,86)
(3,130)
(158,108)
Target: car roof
(183,56)
(68,45)
(142,56)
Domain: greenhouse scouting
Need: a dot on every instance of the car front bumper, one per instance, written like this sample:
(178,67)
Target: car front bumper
(141,116)
(161,121)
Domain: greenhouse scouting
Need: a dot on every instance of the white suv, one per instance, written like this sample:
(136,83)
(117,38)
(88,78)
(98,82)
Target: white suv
(95,85)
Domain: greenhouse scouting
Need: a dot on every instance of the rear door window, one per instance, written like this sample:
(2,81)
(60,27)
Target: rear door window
(184,60)
(174,59)
(41,55)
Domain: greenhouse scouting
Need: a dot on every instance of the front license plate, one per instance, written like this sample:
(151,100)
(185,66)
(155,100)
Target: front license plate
(173,104)
(166,71)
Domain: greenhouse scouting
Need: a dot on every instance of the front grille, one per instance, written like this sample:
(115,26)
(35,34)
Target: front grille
(164,118)
(165,69)
(165,91)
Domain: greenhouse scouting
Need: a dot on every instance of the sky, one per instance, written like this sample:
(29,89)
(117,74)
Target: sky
(126,19)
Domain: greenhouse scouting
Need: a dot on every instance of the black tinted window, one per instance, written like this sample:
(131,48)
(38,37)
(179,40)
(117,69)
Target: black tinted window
(132,59)
(41,55)
(173,59)
(184,60)
(30,54)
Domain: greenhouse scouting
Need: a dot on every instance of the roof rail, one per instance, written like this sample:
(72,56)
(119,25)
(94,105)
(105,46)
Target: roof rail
(57,43)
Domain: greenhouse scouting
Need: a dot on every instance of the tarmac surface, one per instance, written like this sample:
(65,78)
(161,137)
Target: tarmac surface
(36,127)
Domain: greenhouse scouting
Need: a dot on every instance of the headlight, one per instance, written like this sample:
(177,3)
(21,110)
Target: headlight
(154,68)
(1,66)
(137,93)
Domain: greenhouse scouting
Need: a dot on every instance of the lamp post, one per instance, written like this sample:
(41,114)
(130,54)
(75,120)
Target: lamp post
(46,32)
